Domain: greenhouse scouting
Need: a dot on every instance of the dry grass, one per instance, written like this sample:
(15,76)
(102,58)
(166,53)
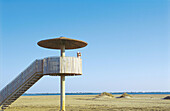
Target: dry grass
(85,103)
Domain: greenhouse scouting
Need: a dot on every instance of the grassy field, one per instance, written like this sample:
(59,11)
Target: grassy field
(90,103)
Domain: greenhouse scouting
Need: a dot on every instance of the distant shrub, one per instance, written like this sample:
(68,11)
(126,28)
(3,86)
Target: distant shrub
(168,97)
(106,94)
(125,95)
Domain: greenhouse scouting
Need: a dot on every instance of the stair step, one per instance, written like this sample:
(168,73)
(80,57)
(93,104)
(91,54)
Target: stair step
(13,98)
(26,86)
(20,92)
(16,95)
(7,103)
(37,77)
(29,84)
(3,108)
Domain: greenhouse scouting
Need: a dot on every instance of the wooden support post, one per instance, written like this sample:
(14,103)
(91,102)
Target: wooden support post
(62,90)
(62,107)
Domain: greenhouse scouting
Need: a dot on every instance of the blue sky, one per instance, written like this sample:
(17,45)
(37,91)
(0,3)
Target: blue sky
(128,42)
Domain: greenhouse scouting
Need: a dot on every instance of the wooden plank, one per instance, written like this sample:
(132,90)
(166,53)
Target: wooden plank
(71,65)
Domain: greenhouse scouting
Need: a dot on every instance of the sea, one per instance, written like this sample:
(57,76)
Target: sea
(80,93)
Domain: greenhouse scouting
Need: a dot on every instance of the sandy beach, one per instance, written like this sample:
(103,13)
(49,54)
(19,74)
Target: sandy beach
(91,103)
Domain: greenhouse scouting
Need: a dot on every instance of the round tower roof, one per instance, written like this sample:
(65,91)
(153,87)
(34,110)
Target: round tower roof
(57,43)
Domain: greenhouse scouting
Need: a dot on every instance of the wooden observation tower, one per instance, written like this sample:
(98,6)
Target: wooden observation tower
(53,66)
(69,66)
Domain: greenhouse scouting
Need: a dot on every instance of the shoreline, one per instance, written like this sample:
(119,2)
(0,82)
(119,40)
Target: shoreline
(114,93)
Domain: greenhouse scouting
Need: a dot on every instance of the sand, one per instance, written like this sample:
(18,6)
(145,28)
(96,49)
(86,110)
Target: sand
(88,103)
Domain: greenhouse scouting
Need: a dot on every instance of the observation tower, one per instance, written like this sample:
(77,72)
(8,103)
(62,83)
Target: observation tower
(54,66)
(66,66)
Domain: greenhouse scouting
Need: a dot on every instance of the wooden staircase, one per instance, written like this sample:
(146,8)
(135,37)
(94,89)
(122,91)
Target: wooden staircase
(20,91)
(9,96)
